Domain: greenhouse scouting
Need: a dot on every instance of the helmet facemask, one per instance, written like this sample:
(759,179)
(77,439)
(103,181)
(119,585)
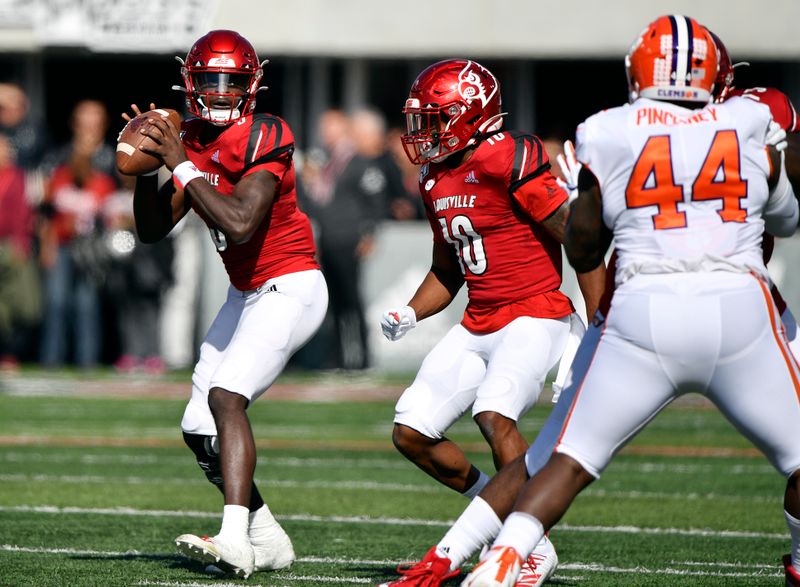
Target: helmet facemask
(429,135)
(220,96)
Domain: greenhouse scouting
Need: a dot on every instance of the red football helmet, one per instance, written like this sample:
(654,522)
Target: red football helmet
(450,106)
(724,82)
(674,58)
(221,73)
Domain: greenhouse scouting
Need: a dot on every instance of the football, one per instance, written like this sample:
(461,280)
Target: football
(130,159)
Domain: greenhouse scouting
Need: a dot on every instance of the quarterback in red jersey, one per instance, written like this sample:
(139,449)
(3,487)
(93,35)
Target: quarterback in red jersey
(234,168)
(497,216)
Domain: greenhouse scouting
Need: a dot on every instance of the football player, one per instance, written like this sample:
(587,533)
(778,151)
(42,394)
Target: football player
(687,206)
(498,217)
(785,115)
(234,168)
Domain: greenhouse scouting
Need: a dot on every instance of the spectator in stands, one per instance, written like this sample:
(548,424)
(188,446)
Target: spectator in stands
(138,276)
(405,205)
(27,138)
(89,126)
(71,249)
(20,296)
(348,195)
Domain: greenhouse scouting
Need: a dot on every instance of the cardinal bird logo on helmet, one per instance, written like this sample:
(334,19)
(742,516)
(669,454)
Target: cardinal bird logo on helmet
(471,88)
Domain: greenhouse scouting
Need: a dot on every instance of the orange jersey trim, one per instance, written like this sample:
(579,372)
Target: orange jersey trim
(780,338)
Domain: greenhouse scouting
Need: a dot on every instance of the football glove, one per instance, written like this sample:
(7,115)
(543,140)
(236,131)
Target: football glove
(776,136)
(396,322)
(570,169)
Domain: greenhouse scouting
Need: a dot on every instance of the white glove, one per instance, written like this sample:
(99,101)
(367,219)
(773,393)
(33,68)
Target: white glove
(570,168)
(395,322)
(776,136)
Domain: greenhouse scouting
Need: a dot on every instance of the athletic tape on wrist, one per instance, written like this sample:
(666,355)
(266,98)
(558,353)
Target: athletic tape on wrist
(185,172)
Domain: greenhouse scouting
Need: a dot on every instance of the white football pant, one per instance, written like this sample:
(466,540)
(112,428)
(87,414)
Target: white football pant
(251,340)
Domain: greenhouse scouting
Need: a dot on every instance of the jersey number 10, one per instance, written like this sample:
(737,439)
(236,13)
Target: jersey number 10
(468,243)
(719,179)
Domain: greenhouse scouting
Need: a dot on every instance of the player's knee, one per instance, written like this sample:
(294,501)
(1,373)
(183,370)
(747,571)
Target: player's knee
(408,441)
(793,482)
(222,402)
(206,451)
(495,427)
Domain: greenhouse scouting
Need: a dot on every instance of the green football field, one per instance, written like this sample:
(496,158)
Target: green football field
(94,487)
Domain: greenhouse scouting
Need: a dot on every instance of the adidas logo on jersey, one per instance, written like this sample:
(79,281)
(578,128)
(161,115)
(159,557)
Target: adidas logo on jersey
(471,178)
(215,156)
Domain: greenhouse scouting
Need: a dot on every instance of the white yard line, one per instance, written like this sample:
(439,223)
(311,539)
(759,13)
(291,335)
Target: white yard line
(365,486)
(392,521)
(337,462)
(579,566)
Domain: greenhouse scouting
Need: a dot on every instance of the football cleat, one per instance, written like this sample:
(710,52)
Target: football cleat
(223,553)
(431,571)
(272,547)
(792,575)
(500,568)
(538,568)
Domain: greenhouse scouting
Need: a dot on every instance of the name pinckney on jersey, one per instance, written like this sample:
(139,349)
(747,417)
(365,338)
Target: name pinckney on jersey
(456,201)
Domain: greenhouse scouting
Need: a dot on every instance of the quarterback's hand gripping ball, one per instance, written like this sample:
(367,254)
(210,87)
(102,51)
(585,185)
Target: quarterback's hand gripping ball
(396,322)
(131,160)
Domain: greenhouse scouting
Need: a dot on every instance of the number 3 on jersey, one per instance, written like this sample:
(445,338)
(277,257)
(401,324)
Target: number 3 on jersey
(719,179)
(468,243)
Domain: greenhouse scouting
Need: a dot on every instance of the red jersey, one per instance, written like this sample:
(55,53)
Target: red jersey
(76,208)
(489,209)
(283,242)
(783,111)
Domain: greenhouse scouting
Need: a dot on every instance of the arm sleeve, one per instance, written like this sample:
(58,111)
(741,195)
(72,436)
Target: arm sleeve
(270,146)
(531,183)
(540,197)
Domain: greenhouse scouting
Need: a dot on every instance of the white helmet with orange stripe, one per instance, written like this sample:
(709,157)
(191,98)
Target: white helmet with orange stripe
(674,58)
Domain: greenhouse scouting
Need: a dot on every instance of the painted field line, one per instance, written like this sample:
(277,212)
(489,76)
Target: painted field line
(599,568)
(581,567)
(11,456)
(191,584)
(346,485)
(377,445)
(131,480)
(704,532)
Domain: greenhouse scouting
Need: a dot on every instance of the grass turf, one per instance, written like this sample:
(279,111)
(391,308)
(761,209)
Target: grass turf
(93,491)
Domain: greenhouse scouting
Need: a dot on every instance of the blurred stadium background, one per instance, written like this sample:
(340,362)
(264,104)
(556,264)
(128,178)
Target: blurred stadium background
(94,479)
(558,62)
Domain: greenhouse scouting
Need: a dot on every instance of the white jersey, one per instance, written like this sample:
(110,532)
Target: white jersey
(683,190)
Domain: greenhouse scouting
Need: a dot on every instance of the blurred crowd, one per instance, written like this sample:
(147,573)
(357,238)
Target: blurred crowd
(78,288)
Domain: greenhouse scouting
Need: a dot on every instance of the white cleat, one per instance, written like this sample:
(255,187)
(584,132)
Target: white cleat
(538,568)
(500,568)
(273,548)
(229,556)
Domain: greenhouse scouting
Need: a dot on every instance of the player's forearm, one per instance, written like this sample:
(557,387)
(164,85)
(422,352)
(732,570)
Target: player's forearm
(153,213)
(236,218)
(592,285)
(586,239)
(435,293)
